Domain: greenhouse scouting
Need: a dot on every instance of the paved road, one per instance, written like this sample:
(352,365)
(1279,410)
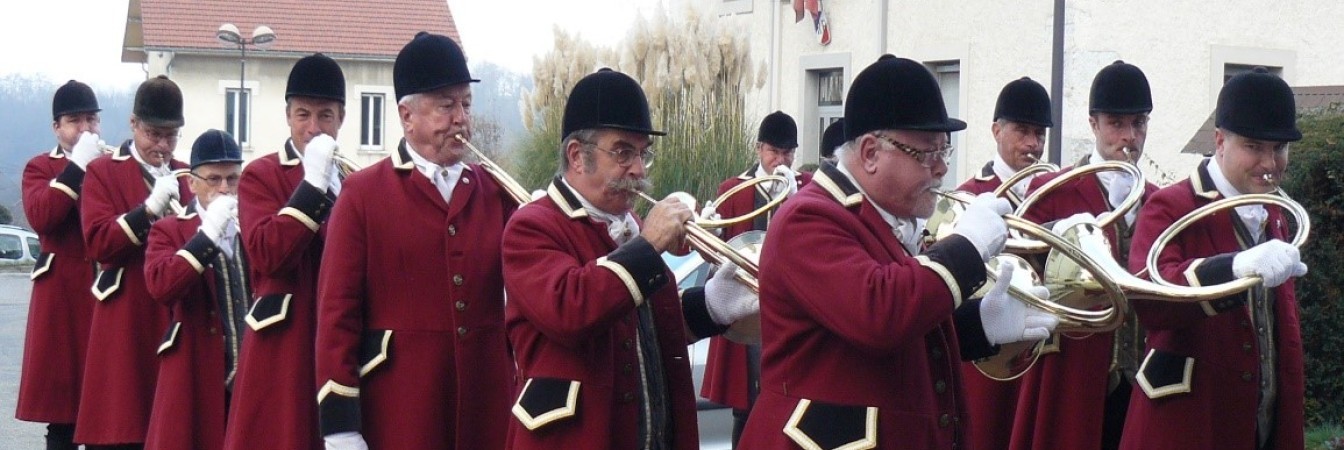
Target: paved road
(14,292)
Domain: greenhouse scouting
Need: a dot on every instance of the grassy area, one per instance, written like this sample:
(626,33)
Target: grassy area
(1325,437)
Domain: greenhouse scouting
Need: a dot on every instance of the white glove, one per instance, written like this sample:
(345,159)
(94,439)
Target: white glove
(216,217)
(85,150)
(983,225)
(165,189)
(790,185)
(1007,320)
(728,299)
(1272,261)
(1117,190)
(710,212)
(1064,225)
(317,164)
(346,440)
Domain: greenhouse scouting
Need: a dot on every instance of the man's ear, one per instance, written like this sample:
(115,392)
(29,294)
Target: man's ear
(868,148)
(574,155)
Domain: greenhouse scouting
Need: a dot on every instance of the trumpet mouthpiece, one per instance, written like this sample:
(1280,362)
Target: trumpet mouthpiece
(459,138)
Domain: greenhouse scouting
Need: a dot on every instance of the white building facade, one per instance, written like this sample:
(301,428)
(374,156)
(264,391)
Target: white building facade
(1187,50)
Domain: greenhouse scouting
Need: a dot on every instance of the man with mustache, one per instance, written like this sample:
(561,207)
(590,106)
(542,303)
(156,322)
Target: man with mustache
(195,266)
(61,307)
(1097,369)
(411,351)
(598,331)
(732,370)
(1021,116)
(286,198)
(1225,373)
(123,194)
(863,331)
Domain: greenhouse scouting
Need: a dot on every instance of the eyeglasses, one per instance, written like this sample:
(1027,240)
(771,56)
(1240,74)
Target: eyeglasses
(925,157)
(156,136)
(214,180)
(625,156)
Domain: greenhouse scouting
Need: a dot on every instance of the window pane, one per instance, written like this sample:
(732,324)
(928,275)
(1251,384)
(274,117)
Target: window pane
(830,88)
(377,121)
(10,247)
(34,248)
(229,110)
(364,106)
(244,131)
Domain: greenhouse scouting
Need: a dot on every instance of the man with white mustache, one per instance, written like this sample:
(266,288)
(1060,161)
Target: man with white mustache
(1099,369)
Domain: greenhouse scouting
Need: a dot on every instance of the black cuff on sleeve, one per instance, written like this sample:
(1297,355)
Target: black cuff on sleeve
(338,414)
(311,202)
(971,332)
(138,220)
(960,257)
(639,258)
(72,177)
(695,310)
(1217,270)
(202,248)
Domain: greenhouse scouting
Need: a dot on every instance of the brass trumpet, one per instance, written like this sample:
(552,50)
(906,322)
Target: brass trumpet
(1036,168)
(746,252)
(511,186)
(1131,200)
(173,202)
(344,165)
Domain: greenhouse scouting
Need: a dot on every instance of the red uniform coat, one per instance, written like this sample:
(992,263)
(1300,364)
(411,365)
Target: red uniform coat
(282,232)
(410,335)
(573,324)
(989,403)
(189,402)
(725,379)
(1061,401)
(128,325)
(1208,397)
(859,337)
(61,307)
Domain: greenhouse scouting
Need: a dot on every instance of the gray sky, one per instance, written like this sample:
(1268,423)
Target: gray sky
(81,39)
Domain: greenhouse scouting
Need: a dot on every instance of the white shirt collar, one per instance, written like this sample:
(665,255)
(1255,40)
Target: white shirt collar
(157,172)
(620,227)
(1253,216)
(428,169)
(1004,172)
(908,230)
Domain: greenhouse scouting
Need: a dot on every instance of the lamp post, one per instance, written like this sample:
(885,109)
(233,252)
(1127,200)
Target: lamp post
(262,37)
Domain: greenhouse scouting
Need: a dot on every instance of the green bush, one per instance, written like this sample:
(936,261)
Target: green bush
(1315,178)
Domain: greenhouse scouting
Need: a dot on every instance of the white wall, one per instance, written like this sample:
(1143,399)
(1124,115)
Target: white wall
(203,80)
(1181,46)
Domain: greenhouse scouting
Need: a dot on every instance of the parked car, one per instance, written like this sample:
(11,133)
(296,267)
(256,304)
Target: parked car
(18,244)
(715,420)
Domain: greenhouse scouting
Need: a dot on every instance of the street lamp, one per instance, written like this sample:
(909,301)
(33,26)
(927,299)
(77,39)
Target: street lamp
(262,38)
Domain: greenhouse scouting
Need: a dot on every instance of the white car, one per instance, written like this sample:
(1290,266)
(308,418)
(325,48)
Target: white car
(18,244)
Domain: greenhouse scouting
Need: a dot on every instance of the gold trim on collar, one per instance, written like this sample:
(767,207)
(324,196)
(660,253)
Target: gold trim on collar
(831,187)
(401,159)
(56,153)
(123,153)
(289,156)
(558,196)
(1197,182)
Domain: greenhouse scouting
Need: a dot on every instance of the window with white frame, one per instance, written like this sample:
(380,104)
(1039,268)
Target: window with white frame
(830,99)
(371,121)
(237,115)
(948,74)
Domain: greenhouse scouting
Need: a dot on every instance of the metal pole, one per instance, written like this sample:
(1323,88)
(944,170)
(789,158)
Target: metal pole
(1057,86)
(242,87)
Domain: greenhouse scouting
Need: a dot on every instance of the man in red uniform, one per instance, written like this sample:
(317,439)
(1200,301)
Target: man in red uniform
(285,199)
(1021,116)
(411,351)
(195,266)
(1076,396)
(732,370)
(862,331)
(61,307)
(598,333)
(1226,373)
(122,195)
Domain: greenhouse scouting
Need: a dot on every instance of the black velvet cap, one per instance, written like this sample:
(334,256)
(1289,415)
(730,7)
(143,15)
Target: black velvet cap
(215,146)
(778,129)
(73,97)
(158,103)
(607,99)
(1258,105)
(896,94)
(316,76)
(1120,88)
(1025,101)
(429,62)
(833,137)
